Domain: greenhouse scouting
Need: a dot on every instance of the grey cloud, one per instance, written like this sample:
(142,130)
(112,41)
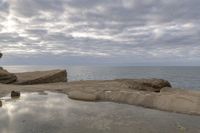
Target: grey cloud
(4,6)
(118,30)
(10,38)
(29,8)
(37,32)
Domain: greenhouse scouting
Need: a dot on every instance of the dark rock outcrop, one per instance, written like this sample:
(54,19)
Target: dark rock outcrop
(0,103)
(6,77)
(15,94)
(41,77)
(154,85)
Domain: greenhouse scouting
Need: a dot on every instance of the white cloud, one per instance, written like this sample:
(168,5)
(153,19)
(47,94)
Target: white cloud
(134,30)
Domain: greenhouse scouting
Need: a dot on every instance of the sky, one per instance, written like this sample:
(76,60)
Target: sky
(100,32)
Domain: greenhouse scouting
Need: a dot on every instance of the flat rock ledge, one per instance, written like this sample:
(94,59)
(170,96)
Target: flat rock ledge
(150,93)
(140,92)
(182,102)
(41,77)
(78,95)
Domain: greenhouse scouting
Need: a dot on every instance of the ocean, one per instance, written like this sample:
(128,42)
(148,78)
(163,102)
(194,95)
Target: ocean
(179,76)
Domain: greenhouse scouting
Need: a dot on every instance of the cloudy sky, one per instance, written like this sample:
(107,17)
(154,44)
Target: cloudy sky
(104,32)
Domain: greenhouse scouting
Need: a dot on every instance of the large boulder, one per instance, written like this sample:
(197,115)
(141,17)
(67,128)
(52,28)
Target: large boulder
(6,77)
(41,77)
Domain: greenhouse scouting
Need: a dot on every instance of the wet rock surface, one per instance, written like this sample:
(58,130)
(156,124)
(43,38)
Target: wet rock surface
(54,112)
(140,92)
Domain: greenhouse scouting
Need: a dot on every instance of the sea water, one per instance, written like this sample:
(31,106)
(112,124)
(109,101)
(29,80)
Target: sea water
(183,77)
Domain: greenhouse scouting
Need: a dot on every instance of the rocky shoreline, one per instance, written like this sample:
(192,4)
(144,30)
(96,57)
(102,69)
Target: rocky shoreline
(150,93)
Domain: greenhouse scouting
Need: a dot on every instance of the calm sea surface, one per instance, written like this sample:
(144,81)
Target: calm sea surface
(184,77)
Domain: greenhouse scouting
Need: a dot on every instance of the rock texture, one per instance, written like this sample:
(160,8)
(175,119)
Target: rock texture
(6,77)
(176,102)
(154,85)
(129,85)
(78,95)
(41,77)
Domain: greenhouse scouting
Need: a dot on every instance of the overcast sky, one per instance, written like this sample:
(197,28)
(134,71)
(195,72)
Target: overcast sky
(104,32)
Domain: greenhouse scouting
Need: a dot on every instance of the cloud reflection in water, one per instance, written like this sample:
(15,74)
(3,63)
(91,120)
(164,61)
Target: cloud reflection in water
(48,112)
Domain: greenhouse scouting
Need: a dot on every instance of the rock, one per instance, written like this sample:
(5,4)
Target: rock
(170,89)
(41,77)
(154,85)
(181,102)
(15,94)
(79,95)
(0,103)
(168,99)
(6,77)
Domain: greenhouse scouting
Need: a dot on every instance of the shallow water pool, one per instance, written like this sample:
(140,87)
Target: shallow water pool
(48,112)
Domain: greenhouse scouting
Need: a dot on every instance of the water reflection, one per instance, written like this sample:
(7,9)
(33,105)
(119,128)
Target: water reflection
(48,112)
